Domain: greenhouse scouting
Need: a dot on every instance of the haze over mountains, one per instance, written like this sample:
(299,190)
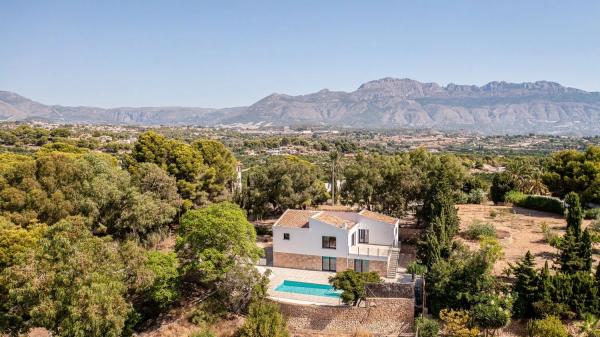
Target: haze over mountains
(494,108)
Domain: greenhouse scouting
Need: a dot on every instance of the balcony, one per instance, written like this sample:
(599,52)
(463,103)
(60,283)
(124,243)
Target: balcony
(372,250)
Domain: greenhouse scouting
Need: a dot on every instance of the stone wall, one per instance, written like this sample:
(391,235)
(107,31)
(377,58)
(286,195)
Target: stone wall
(312,262)
(378,316)
(378,266)
(289,260)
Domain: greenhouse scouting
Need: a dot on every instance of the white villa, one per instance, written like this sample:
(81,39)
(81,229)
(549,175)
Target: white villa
(336,241)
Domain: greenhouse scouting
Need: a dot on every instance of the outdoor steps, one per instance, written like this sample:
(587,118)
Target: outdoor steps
(392,264)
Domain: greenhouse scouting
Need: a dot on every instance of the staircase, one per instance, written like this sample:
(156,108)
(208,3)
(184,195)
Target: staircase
(392,265)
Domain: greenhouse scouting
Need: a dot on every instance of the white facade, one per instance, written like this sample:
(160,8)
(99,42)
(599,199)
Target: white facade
(307,240)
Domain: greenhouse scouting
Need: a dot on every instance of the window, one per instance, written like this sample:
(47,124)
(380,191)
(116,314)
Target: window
(353,238)
(363,236)
(361,266)
(328,263)
(286,236)
(329,242)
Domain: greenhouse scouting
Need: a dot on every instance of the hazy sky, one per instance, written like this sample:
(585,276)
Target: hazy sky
(228,53)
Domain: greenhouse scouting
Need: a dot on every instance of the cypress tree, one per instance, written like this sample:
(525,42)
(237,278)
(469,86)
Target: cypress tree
(525,287)
(575,247)
(586,251)
(574,214)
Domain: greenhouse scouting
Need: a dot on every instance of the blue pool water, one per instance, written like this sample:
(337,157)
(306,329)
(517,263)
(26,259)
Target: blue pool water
(305,288)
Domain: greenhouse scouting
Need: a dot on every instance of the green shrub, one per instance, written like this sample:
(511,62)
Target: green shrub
(264,320)
(536,202)
(550,326)
(415,268)
(476,196)
(352,284)
(543,203)
(592,213)
(502,183)
(551,237)
(203,333)
(514,197)
(478,230)
(427,327)
(208,312)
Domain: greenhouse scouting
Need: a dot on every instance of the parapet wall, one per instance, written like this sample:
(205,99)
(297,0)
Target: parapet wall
(381,316)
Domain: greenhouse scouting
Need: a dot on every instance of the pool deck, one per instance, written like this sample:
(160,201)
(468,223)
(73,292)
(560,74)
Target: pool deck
(278,275)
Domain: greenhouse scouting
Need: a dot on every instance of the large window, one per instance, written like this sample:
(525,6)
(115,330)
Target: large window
(329,242)
(361,266)
(328,263)
(363,236)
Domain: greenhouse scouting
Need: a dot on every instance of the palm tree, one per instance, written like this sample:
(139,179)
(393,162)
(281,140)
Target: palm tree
(334,156)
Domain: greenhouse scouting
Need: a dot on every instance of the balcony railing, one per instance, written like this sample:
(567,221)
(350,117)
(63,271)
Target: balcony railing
(372,250)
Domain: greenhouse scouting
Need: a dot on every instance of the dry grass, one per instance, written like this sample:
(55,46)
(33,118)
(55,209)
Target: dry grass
(521,231)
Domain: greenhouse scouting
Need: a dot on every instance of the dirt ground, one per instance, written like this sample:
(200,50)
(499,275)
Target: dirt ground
(520,230)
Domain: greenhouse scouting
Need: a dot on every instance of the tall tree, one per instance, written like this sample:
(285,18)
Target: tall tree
(73,284)
(575,247)
(525,288)
(213,240)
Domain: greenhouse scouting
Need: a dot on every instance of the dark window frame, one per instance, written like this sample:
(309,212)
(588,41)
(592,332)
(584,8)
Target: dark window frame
(361,266)
(328,263)
(363,236)
(329,242)
(286,236)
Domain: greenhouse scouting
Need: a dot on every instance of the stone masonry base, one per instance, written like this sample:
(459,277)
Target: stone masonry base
(313,262)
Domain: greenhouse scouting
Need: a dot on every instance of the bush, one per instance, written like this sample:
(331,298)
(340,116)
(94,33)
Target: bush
(415,268)
(536,202)
(514,197)
(456,324)
(543,203)
(208,312)
(427,327)
(476,196)
(203,333)
(264,320)
(353,284)
(592,213)
(479,230)
(550,326)
(551,237)
(501,184)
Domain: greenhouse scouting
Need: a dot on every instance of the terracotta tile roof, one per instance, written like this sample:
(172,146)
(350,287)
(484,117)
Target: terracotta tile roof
(295,218)
(378,216)
(335,220)
(298,218)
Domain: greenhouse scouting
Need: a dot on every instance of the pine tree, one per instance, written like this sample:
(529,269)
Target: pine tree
(598,276)
(525,287)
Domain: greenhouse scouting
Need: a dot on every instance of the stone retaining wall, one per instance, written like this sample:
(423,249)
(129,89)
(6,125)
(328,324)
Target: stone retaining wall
(378,316)
(313,262)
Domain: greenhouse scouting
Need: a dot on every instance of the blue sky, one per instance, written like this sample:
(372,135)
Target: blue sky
(229,53)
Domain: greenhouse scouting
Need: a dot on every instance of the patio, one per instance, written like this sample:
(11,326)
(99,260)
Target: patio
(278,275)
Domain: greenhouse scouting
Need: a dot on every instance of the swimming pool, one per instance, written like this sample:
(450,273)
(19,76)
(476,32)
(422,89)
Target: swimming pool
(305,288)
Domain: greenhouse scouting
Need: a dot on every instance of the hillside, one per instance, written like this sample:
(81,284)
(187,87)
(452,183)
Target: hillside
(494,108)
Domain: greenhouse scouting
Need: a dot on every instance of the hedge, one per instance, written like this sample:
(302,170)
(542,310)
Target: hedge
(536,202)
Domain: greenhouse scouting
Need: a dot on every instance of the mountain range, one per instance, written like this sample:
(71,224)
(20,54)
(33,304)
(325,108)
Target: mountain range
(494,108)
